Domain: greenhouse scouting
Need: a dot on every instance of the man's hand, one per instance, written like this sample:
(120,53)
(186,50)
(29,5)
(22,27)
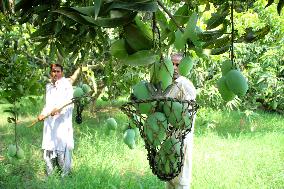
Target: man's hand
(54,112)
(40,117)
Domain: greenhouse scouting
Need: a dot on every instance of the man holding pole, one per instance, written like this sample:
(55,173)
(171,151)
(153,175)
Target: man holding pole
(57,142)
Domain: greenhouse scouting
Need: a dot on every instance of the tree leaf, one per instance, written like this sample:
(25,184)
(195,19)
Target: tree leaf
(52,50)
(219,17)
(181,17)
(44,30)
(111,22)
(217,43)
(141,58)
(97,5)
(149,6)
(189,32)
(41,45)
(221,50)
(210,35)
(269,3)
(251,36)
(89,11)
(60,49)
(74,15)
(23,4)
(280,6)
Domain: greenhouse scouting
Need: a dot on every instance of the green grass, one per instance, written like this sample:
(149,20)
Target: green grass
(230,151)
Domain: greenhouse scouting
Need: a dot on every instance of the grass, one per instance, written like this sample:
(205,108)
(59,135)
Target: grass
(231,150)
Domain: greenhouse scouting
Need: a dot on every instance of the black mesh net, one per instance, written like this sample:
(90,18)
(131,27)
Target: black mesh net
(163,124)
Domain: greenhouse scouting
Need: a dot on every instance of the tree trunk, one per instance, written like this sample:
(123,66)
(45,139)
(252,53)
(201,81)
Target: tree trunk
(100,89)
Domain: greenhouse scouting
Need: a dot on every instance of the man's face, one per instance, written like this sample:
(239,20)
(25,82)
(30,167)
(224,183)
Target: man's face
(176,60)
(56,74)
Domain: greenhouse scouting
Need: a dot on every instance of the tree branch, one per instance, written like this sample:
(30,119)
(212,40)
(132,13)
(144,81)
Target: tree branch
(36,58)
(170,15)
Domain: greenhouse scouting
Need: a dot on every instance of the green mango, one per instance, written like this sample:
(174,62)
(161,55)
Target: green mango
(155,128)
(236,82)
(225,92)
(111,123)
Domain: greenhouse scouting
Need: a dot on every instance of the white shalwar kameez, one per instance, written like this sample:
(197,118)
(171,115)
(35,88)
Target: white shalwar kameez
(57,141)
(183,89)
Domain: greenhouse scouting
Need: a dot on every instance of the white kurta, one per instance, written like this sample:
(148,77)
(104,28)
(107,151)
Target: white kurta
(58,130)
(183,89)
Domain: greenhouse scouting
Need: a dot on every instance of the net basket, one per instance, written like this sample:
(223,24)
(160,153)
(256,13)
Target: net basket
(163,123)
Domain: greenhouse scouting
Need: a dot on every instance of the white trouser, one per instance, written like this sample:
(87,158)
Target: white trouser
(183,180)
(58,158)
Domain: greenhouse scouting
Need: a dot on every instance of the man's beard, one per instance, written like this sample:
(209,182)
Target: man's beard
(176,75)
(53,79)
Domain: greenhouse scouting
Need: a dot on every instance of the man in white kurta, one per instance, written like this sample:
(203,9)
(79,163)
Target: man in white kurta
(183,89)
(57,141)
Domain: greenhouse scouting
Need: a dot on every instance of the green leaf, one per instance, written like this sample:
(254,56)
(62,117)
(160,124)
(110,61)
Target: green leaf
(179,40)
(23,4)
(220,50)
(189,32)
(41,45)
(58,27)
(74,15)
(219,17)
(149,6)
(210,35)
(269,3)
(41,8)
(280,6)
(102,22)
(89,11)
(60,49)
(217,43)
(181,16)
(251,36)
(111,22)
(141,58)
(44,30)
(52,50)
(97,5)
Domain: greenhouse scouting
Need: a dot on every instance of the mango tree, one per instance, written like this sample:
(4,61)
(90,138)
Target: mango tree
(19,74)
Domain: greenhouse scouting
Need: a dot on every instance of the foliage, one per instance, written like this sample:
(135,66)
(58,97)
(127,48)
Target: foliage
(82,33)
(263,64)
(19,77)
(82,23)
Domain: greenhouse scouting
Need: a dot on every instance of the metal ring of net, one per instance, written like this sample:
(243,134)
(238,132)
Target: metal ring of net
(163,129)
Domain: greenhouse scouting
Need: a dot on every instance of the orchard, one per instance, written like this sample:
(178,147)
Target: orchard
(117,56)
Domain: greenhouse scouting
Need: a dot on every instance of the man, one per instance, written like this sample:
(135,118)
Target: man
(57,141)
(182,89)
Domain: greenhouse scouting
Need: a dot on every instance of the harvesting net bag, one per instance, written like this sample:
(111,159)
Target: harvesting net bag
(163,123)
